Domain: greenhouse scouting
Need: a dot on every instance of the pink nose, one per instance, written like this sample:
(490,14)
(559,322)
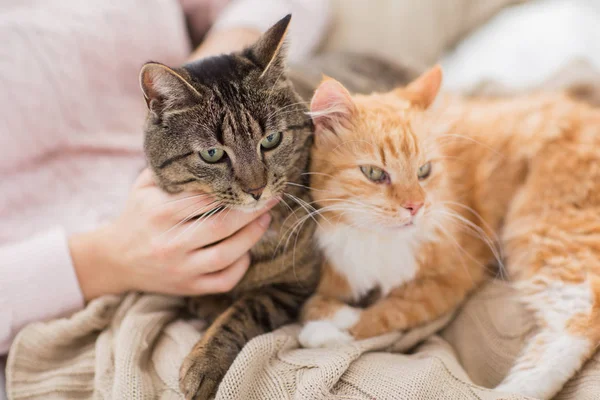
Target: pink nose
(413,207)
(255,193)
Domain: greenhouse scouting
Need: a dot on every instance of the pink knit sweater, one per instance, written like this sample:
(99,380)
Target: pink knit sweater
(70,128)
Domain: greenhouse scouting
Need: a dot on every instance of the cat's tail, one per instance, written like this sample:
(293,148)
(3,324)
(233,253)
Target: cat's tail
(568,317)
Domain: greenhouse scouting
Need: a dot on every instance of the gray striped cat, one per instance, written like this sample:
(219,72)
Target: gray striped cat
(235,127)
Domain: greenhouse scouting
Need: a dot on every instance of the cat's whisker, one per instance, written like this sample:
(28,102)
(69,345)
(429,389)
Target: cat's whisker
(479,233)
(202,195)
(476,214)
(277,112)
(342,202)
(224,215)
(307,207)
(454,135)
(472,228)
(458,247)
(308,188)
(351,201)
(205,218)
(198,222)
(306,103)
(286,112)
(297,226)
(189,206)
(190,216)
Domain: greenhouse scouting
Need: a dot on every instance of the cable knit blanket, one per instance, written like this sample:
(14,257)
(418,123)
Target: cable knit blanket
(131,348)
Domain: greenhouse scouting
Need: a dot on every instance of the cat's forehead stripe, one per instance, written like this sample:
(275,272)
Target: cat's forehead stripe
(171,160)
(220,128)
(382,153)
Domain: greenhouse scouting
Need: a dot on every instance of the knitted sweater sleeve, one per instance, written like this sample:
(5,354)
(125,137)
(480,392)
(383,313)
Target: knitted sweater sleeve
(38,282)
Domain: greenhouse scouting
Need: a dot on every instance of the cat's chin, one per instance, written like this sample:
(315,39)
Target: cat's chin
(400,227)
(387,228)
(252,207)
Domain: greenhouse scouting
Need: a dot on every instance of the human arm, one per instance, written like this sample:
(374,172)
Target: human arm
(38,282)
(144,249)
(242,22)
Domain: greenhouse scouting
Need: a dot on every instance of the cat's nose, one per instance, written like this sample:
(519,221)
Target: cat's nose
(413,207)
(255,193)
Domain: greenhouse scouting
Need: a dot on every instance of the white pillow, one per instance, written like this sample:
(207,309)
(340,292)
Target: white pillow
(526,45)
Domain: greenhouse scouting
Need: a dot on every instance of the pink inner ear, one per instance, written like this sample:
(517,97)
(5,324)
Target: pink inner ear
(331,104)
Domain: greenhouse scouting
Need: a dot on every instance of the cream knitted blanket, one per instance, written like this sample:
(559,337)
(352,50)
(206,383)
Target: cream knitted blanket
(131,348)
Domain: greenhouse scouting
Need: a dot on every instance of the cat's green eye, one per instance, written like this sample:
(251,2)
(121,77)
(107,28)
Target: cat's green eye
(212,155)
(424,171)
(271,141)
(374,174)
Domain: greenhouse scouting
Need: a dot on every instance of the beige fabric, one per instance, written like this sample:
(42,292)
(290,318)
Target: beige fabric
(131,347)
(413,32)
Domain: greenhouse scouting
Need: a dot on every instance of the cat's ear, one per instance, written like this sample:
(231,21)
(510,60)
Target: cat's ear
(423,90)
(269,50)
(331,105)
(165,89)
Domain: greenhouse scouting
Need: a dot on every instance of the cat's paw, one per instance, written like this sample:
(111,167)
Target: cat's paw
(198,378)
(346,317)
(322,334)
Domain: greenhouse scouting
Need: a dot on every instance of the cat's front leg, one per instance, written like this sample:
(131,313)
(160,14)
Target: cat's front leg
(250,316)
(326,321)
(413,304)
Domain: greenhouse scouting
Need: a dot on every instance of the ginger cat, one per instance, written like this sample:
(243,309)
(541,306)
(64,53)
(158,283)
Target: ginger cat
(415,201)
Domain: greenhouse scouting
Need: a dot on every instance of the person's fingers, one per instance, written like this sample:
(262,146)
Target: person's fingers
(183,206)
(222,281)
(223,225)
(170,203)
(220,255)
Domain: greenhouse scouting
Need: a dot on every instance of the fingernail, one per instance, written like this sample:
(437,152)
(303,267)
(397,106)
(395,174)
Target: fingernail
(264,220)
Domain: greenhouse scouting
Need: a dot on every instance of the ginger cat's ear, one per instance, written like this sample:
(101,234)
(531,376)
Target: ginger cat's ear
(423,90)
(331,105)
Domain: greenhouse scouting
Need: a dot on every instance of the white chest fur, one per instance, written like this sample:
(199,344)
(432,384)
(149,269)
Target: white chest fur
(370,259)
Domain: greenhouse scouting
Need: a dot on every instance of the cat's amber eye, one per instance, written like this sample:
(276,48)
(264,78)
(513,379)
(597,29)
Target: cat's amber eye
(424,171)
(271,141)
(212,155)
(374,174)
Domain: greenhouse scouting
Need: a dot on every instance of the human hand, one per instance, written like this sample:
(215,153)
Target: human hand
(156,246)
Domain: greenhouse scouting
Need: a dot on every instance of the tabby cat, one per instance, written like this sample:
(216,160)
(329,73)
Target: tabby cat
(417,199)
(234,127)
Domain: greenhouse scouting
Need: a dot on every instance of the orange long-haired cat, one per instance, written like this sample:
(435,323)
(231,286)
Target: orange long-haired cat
(414,200)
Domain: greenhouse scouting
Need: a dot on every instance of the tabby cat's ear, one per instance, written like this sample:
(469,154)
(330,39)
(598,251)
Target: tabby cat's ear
(165,89)
(331,105)
(269,51)
(423,90)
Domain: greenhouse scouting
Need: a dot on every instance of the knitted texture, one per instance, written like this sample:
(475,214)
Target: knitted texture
(131,347)
(71,117)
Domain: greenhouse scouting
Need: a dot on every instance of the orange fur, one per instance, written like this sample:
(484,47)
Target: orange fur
(519,174)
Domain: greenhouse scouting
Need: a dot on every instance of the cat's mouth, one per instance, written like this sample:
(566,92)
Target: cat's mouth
(400,226)
(404,226)
(256,205)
